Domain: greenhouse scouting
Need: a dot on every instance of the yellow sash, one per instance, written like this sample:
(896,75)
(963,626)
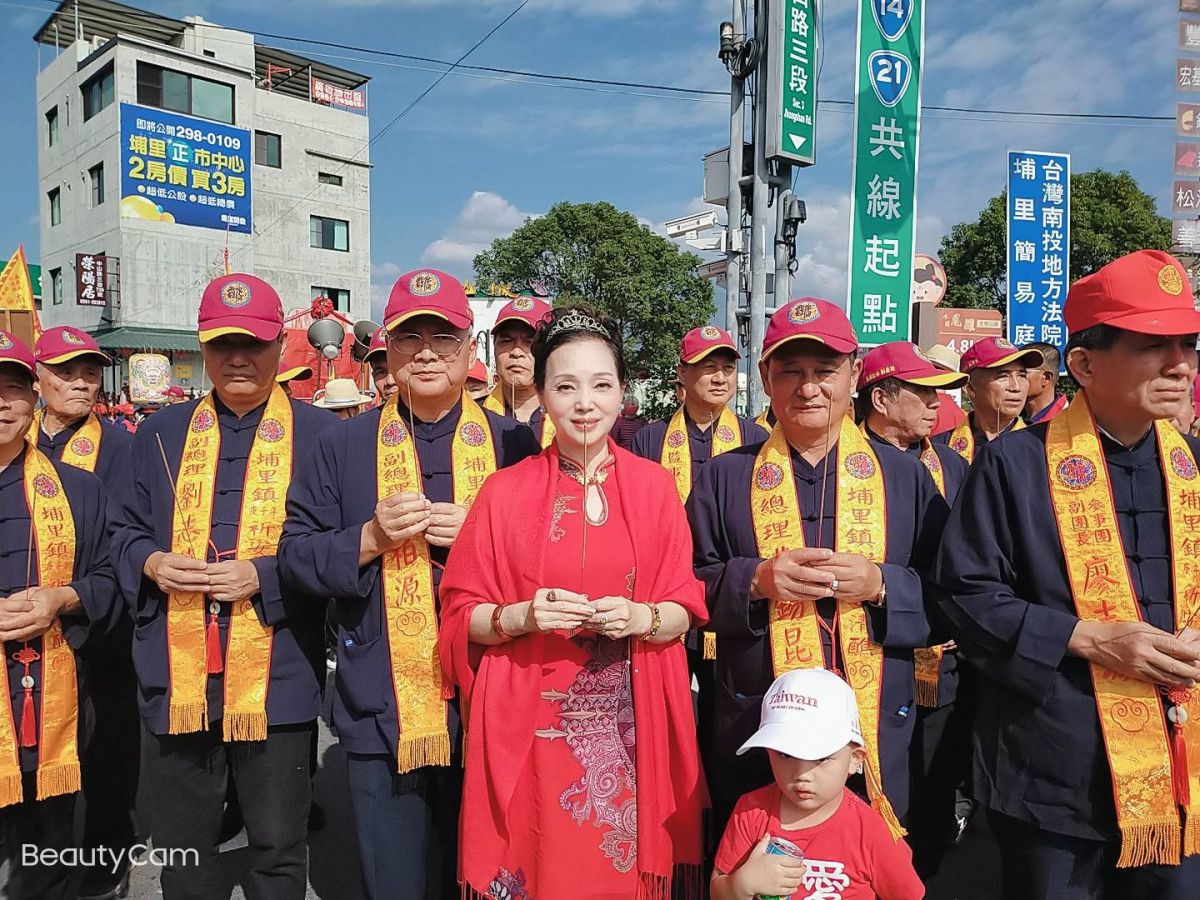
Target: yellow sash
(763,420)
(58,731)
(1131,714)
(248,647)
(676,455)
(495,403)
(409,605)
(927,661)
(862,529)
(84,449)
(962,439)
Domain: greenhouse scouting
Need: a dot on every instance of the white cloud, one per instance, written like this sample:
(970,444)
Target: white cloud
(485,217)
(822,244)
(383,276)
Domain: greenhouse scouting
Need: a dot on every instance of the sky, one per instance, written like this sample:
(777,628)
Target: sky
(479,155)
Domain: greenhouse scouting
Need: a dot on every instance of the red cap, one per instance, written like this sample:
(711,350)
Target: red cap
(125,409)
(293,373)
(699,342)
(529,310)
(240,304)
(428,292)
(378,343)
(1147,291)
(478,372)
(57,345)
(810,319)
(994,352)
(175,392)
(906,361)
(13,350)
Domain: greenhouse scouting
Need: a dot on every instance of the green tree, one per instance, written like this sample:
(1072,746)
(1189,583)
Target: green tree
(1110,216)
(596,253)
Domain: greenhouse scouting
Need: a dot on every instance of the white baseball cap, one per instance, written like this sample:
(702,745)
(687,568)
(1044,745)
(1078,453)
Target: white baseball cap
(807,714)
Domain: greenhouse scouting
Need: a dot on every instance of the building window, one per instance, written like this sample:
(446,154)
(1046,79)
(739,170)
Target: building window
(339,296)
(182,93)
(97,175)
(55,198)
(56,287)
(329,234)
(97,93)
(52,126)
(329,178)
(267,149)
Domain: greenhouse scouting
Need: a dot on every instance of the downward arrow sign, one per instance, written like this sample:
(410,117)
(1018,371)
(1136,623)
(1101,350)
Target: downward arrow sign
(797,140)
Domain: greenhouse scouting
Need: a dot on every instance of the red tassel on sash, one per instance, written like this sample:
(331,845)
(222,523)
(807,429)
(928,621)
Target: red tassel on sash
(28,721)
(1179,766)
(213,646)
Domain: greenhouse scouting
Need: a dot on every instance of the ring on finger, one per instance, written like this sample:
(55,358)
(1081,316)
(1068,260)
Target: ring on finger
(552,596)
(603,618)
(833,585)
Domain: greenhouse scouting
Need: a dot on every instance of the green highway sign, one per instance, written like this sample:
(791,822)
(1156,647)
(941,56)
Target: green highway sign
(792,81)
(883,200)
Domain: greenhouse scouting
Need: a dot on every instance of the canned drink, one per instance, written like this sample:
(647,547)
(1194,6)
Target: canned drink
(778,846)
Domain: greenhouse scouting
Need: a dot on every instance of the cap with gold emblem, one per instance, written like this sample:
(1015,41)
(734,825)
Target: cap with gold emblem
(1146,291)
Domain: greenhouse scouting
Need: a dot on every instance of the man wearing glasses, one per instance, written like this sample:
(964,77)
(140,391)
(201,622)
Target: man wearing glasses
(371,520)
(997,388)
(229,661)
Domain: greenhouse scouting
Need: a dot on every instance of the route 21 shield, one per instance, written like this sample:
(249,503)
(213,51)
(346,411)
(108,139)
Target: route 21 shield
(890,73)
(892,16)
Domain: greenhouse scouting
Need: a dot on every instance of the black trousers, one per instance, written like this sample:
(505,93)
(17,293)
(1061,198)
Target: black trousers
(407,827)
(1042,865)
(188,773)
(39,825)
(940,760)
(111,758)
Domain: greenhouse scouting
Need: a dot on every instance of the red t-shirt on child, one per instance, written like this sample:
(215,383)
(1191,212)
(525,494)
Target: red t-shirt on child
(850,856)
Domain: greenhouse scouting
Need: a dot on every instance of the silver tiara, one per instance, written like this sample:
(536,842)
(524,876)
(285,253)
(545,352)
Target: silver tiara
(577,321)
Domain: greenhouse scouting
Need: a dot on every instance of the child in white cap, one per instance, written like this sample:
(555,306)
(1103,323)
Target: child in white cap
(807,835)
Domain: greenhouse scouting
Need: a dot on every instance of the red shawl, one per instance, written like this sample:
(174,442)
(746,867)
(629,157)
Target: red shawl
(498,557)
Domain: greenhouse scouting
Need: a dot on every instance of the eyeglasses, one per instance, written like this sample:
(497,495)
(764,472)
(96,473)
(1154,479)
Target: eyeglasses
(443,345)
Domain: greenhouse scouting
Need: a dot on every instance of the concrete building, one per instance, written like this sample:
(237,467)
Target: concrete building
(166,147)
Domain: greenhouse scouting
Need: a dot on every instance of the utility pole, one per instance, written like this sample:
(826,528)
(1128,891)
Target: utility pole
(759,242)
(783,243)
(737,138)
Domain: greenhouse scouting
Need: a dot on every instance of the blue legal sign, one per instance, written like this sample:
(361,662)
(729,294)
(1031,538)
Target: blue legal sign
(1039,246)
(184,170)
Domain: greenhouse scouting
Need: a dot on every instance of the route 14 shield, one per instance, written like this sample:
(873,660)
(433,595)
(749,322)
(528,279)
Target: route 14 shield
(890,72)
(892,17)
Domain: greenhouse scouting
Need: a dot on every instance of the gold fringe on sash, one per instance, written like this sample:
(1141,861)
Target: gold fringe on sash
(928,664)
(57,779)
(880,802)
(428,750)
(10,789)
(710,644)
(245,726)
(186,717)
(1148,843)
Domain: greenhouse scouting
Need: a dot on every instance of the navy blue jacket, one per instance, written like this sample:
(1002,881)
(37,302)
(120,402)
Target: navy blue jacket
(93,580)
(143,524)
(648,442)
(1039,754)
(330,500)
(726,555)
(954,472)
(113,452)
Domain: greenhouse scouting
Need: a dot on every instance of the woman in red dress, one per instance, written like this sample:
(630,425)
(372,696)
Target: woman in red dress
(563,602)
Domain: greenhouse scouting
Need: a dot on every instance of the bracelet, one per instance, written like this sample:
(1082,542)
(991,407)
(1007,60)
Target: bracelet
(504,636)
(655,622)
(882,598)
